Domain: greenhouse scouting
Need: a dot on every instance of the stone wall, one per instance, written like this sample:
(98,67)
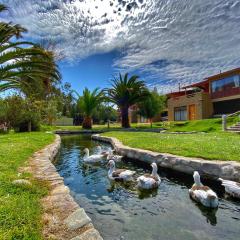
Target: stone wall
(210,169)
(63,219)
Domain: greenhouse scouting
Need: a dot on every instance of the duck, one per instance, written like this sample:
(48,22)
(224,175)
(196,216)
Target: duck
(119,174)
(149,181)
(100,151)
(93,158)
(114,157)
(231,187)
(203,194)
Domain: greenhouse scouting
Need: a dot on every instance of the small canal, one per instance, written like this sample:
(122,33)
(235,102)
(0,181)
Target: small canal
(121,212)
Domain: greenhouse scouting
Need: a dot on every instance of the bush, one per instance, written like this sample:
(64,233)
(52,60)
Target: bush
(21,114)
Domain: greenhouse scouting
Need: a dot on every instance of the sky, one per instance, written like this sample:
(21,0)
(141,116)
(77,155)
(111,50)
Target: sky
(165,42)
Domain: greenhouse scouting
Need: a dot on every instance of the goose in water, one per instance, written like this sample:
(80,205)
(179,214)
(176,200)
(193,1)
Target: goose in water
(114,157)
(203,194)
(100,151)
(149,181)
(93,158)
(231,187)
(119,174)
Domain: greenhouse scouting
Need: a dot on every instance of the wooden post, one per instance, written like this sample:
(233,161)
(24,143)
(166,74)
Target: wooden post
(224,122)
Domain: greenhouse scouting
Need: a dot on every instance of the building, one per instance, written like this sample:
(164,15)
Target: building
(134,117)
(215,95)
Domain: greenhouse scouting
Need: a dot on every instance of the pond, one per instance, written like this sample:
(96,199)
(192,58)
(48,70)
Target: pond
(122,212)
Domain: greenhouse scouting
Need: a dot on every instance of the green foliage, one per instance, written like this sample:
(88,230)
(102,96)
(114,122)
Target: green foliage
(20,209)
(153,104)
(104,113)
(23,65)
(126,92)
(50,112)
(89,101)
(218,145)
(19,112)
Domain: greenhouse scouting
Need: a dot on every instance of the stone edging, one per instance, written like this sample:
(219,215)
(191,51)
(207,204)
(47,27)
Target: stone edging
(62,218)
(211,169)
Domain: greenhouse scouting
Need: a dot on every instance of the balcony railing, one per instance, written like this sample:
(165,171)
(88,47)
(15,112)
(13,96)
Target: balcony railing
(226,117)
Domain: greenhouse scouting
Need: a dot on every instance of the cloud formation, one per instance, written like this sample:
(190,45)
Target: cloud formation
(171,41)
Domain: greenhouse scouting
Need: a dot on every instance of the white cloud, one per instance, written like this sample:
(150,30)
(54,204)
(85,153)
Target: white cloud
(173,40)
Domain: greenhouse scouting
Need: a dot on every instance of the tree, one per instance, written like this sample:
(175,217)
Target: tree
(20,113)
(88,102)
(126,92)
(152,105)
(50,111)
(104,113)
(22,62)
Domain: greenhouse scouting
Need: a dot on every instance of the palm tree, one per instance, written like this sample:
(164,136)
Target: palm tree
(126,92)
(88,102)
(21,60)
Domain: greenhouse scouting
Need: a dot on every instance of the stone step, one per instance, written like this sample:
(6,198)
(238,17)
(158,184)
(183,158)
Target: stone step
(234,128)
(234,131)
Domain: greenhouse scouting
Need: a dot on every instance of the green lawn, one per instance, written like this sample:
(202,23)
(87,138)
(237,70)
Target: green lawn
(219,145)
(20,210)
(103,127)
(205,125)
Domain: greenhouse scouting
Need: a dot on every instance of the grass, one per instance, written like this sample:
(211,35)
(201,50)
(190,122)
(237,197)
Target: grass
(205,125)
(20,210)
(115,126)
(218,145)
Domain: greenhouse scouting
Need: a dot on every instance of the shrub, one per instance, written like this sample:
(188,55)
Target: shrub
(21,114)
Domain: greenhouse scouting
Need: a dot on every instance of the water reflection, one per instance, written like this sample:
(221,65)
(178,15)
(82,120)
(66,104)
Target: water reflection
(210,214)
(147,193)
(120,211)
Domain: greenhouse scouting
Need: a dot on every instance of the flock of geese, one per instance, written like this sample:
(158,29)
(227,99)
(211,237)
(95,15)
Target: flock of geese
(200,193)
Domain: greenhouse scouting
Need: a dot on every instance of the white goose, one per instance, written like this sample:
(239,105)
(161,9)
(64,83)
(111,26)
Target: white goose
(203,194)
(114,157)
(231,187)
(100,151)
(149,181)
(119,174)
(93,158)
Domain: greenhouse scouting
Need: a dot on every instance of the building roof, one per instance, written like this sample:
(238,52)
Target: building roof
(223,74)
(205,83)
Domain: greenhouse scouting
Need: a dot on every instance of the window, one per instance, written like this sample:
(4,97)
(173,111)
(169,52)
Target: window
(180,113)
(226,83)
(236,80)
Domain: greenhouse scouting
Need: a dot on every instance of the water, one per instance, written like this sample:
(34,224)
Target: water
(122,212)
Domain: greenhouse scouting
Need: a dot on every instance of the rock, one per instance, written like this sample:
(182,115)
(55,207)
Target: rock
(77,219)
(91,234)
(22,182)
(60,190)
(211,169)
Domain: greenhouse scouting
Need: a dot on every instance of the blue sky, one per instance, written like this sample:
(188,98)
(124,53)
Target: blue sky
(166,42)
(94,71)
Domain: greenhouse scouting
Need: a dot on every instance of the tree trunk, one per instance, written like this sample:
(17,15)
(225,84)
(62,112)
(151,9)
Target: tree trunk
(125,118)
(87,123)
(151,122)
(29,126)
